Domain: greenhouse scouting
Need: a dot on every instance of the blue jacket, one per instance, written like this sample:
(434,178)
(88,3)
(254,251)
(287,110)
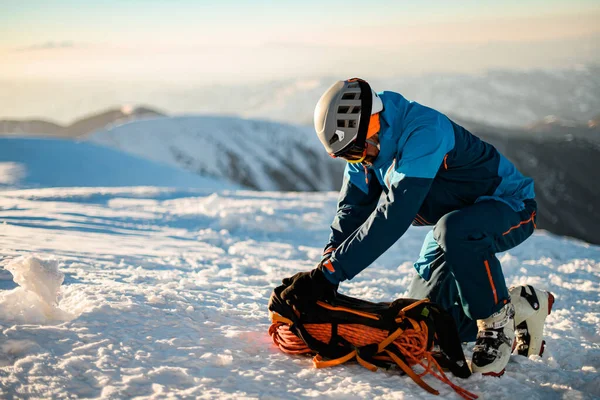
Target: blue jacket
(427,167)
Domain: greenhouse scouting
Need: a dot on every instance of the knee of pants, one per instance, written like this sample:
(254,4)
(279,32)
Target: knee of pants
(452,232)
(447,232)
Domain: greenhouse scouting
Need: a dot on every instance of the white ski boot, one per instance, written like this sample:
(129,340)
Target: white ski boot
(494,343)
(532,306)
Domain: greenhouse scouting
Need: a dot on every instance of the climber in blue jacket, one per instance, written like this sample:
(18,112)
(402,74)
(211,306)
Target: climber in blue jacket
(433,172)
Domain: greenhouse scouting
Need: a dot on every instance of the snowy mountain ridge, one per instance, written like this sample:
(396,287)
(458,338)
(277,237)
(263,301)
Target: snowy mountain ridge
(81,127)
(257,154)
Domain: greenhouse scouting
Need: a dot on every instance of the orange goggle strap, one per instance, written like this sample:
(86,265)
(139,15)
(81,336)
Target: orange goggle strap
(374,125)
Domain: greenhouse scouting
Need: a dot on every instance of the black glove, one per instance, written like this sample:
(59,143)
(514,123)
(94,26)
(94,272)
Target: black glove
(306,288)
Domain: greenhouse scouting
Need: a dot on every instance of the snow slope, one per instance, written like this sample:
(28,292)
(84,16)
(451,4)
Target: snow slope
(35,162)
(165,293)
(256,154)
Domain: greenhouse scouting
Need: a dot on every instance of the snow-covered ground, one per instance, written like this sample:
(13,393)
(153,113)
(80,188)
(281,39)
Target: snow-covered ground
(164,294)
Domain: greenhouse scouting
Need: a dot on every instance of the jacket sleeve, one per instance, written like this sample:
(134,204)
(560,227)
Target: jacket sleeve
(408,184)
(353,208)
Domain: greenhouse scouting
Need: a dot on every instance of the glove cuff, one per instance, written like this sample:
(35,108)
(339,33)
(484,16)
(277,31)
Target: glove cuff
(327,270)
(328,251)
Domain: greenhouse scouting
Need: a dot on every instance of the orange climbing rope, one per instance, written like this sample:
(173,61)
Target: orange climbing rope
(411,343)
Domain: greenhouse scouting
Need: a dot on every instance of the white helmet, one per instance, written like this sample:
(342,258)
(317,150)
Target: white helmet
(338,114)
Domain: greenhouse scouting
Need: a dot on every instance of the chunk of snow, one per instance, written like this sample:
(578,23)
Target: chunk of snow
(36,300)
(41,277)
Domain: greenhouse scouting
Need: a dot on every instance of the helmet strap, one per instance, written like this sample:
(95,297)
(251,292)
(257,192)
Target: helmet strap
(366,100)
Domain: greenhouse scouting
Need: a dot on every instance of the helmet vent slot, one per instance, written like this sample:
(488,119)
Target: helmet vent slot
(341,123)
(352,123)
(355,110)
(343,109)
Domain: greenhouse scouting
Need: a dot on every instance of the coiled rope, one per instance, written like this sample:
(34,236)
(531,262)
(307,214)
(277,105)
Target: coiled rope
(411,343)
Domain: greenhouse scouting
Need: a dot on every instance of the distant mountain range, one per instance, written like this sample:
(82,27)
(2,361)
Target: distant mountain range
(78,128)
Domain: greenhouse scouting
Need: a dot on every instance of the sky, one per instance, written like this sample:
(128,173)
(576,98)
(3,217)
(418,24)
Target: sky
(231,41)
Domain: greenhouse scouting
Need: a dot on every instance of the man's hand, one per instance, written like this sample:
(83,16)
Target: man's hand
(307,287)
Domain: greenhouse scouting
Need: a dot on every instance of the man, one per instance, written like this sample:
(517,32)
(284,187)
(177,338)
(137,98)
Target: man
(432,172)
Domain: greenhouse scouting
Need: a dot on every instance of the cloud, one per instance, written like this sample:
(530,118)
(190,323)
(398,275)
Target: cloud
(50,45)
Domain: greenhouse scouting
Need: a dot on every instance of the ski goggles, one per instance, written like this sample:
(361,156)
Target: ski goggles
(356,153)
(353,153)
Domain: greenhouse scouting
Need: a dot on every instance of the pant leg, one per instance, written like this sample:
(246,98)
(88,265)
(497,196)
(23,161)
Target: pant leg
(437,283)
(469,238)
(436,279)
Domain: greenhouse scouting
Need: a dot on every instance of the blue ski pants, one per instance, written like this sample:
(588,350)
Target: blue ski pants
(458,267)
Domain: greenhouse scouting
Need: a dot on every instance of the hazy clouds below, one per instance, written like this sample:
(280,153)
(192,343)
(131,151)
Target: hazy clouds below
(280,58)
(499,97)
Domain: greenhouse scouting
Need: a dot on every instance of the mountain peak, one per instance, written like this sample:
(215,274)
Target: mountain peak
(82,126)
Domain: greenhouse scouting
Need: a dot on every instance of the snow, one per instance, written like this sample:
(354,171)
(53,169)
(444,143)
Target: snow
(164,294)
(40,277)
(33,162)
(259,154)
(35,300)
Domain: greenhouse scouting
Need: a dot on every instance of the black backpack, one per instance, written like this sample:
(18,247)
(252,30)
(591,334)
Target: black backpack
(401,333)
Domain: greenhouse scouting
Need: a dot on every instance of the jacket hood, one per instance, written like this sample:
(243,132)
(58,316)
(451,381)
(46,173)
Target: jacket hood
(391,132)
